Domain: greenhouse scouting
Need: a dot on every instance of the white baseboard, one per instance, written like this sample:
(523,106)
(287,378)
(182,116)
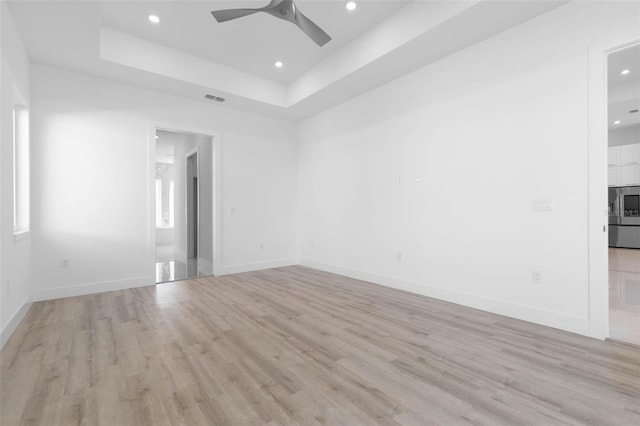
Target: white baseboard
(496,306)
(502,307)
(103,286)
(14,321)
(91,288)
(248,267)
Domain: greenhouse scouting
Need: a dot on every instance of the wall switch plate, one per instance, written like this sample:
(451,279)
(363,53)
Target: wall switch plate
(64,263)
(541,205)
(399,256)
(261,246)
(398,180)
(536,277)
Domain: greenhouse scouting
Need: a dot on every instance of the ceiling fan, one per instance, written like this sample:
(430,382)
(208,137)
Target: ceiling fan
(283,9)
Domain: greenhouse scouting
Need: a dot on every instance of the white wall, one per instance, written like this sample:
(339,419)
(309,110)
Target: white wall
(625,136)
(15,287)
(164,237)
(485,131)
(84,128)
(205,194)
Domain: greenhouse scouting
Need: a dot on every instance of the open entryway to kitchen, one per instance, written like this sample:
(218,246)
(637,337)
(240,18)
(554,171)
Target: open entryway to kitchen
(624,194)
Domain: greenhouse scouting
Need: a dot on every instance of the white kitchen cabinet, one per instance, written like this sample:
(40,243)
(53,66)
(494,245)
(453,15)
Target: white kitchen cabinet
(624,165)
(612,176)
(612,155)
(629,175)
(629,154)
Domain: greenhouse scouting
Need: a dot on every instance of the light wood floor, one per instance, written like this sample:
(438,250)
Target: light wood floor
(297,346)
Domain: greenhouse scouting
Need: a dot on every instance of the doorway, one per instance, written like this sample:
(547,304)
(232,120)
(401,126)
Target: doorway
(192,204)
(623,175)
(184,199)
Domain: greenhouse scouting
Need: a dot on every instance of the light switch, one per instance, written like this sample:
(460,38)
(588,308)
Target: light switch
(541,205)
(536,277)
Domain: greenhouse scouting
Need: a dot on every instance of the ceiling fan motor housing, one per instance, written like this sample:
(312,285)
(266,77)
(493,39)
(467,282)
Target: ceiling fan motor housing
(282,9)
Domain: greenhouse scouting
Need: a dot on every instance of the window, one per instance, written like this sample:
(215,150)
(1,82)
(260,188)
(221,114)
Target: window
(158,203)
(171,206)
(20,169)
(164,204)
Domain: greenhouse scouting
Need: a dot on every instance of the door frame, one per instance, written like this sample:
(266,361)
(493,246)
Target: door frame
(598,223)
(216,187)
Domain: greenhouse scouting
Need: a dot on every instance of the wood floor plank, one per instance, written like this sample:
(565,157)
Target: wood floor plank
(297,346)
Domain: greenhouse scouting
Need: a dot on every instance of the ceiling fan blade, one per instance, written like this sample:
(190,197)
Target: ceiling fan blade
(229,14)
(311,29)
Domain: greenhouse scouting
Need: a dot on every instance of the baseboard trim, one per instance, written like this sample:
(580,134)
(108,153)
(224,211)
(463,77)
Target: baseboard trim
(249,267)
(91,288)
(496,306)
(501,307)
(104,286)
(15,320)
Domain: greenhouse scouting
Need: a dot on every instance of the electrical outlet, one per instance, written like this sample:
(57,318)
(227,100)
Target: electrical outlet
(399,256)
(398,180)
(64,263)
(536,277)
(312,244)
(261,246)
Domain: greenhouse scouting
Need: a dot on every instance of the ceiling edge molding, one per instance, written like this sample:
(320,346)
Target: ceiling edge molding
(140,54)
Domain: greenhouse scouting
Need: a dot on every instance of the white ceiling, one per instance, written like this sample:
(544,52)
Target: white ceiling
(624,89)
(624,59)
(189,54)
(252,43)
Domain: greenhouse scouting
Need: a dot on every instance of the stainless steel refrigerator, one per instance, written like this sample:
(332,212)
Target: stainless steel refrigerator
(624,217)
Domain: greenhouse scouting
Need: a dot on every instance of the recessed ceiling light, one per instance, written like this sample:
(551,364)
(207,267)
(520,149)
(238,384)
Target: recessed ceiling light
(154,19)
(616,122)
(278,64)
(625,72)
(157,137)
(351,5)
